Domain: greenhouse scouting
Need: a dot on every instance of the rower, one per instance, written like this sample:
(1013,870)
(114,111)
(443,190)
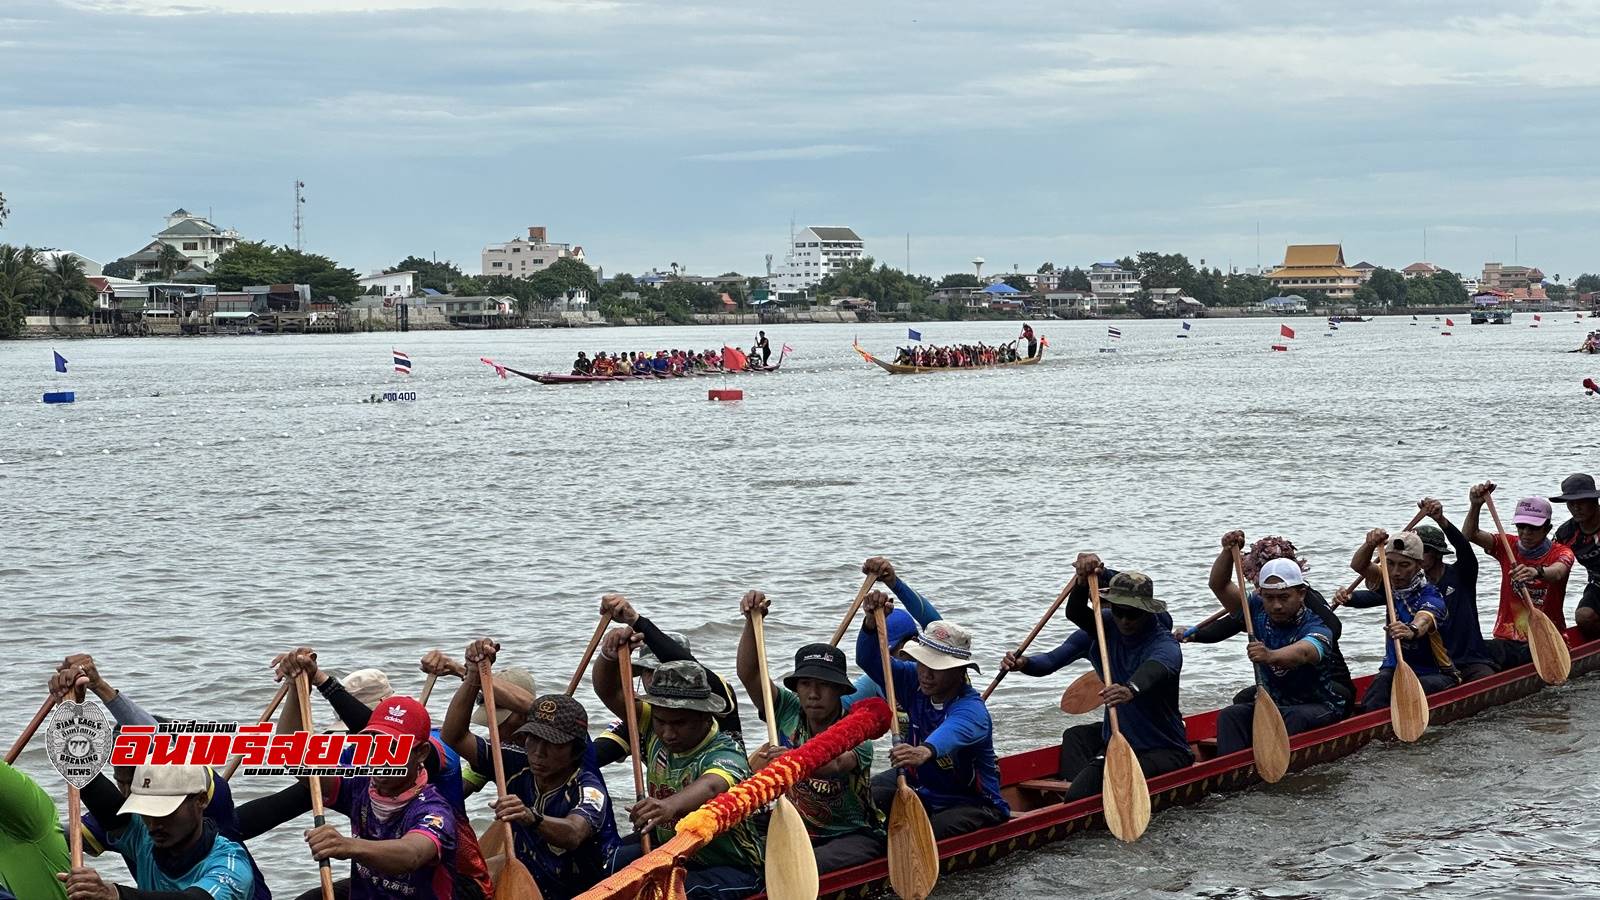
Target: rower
(1539,566)
(903,623)
(582,365)
(32,846)
(1581,535)
(1033,342)
(845,825)
(558,805)
(1457,583)
(1293,650)
(1143,684)
(688,760)
(763,346)
(949,751)
(1419,613)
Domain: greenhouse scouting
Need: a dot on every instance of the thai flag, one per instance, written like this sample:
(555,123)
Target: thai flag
(402,363)
(913,335)
(787,349)
(1114,333)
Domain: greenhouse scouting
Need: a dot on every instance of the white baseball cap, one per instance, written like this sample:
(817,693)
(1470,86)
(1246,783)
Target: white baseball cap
(1285,571)
(158,791)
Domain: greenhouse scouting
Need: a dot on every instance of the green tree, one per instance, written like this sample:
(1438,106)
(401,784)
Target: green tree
(1074,279)
(20,275)
(440,276)
(1367,298)
(1164,270)
(1555,291)
(1020,282)
(1243,290)
(960,280)
(1448,289)
(1586,283)
(1048,268)
(255,263)
(1389,285)
(117,268)
(326,277)
(170,261)
(65,290)
(246,263)
(888,288)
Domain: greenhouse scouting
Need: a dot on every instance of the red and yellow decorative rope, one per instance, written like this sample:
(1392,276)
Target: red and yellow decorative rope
(658,875)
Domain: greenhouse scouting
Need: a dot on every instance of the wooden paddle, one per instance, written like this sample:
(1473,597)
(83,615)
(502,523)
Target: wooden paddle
(513,881)
(283,691)
(1083,695)
(427,689)
(791,860)
(33,726)
(1360,579)
(866,585)
(1551,658)
(1269,737)
(630,718)
(302,686)
(1408,703)
(588,654)
(1123,793)
(913,851)
(75,810)
(1023,647)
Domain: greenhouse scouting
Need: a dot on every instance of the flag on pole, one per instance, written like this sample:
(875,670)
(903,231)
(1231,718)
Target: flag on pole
(1286,331)
(1114,333)
(1187,326)
(913,335)
(498,369)
(787,349)
(1044,341)
(61,361)
(402,363)
(1450,323)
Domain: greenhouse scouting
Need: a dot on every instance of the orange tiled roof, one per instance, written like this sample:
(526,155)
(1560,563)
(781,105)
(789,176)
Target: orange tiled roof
(1292,272)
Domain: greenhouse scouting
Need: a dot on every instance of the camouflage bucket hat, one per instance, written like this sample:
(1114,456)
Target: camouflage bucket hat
(1134,590)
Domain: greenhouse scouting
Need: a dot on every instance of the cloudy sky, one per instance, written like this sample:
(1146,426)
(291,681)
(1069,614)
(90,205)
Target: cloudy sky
(691,131)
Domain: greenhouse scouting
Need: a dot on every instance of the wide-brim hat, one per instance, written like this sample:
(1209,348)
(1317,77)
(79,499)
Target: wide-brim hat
(1577,487)
(522,678)
(683,684)
(819,662)
(943,645)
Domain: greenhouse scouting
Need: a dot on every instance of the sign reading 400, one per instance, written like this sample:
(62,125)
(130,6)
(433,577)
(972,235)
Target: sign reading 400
(397,396)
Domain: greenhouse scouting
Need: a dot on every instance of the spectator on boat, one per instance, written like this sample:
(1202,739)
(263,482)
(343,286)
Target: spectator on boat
(659,647)
(835,801)
(1537,565)
(917,613)
(1143,683)
(582,365)
(556,799)
(162,833)
(1457,583)
(1419,612)
(33,847)
(1293,652)
(688,760)
(1581,535)
(948,755)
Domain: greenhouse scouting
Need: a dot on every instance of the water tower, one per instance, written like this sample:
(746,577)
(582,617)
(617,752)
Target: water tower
(977,263)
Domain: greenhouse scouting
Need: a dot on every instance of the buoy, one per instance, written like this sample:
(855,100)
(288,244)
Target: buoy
(724,394)
(1281,348)
(60,397)
(1444,334)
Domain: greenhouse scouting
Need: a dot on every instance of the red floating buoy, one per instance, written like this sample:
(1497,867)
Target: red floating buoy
(1281,348)
(724,395)
(1444,334)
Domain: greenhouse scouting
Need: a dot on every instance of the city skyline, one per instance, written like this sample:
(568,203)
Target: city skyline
(1023,132)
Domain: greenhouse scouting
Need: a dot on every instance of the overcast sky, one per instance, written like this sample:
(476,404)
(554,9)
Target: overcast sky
(691,131)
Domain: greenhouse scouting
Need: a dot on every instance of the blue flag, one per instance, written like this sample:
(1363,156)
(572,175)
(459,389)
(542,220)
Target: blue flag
(913,335)
(61,362)
(1187,326)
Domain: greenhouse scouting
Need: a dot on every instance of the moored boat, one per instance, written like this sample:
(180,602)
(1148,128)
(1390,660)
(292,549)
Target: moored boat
(903,369)
(1031,785)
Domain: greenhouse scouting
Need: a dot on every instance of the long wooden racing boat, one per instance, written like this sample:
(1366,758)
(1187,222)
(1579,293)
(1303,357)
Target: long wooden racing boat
(903,369)
(1030,783)
(558,378)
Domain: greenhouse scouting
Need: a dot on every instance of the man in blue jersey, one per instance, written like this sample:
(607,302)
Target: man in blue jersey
(171,848)
(1420,616)
(904,623)
(949,752)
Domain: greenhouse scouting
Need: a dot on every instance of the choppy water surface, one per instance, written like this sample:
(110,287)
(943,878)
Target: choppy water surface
(210,502)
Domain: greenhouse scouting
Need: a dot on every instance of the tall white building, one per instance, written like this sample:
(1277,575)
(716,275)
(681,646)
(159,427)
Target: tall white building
(194,236)
(521,257)
(815,252)
(1112,283)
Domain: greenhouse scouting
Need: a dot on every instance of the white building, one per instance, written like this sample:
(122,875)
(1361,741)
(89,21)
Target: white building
(1112,283)
(521,257)
(196,238)
(816,251)
(393,284)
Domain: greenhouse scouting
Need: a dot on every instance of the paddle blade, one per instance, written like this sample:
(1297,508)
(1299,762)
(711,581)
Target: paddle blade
(1123,792)
(493,843)
(1408,704)
(1082,695)
(913,853)
(512,880)
(791,860)
(1269,739)
(1551,658)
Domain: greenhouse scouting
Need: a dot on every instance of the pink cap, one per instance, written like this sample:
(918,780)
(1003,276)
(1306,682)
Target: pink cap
(1532,511)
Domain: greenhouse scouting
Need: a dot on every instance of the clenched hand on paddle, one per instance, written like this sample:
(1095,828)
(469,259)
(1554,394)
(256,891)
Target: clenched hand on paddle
(1408,703)
(913,851)
(1123,793)
(513,881)
(1269,736)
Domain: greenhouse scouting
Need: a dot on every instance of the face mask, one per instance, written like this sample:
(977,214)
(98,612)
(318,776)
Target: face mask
(385,807)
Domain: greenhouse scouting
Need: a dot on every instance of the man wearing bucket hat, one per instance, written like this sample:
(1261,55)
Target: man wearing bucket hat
(1536,564)
(914,614)
(1457,583)
(1292,651)
(836,801)
(1142,685)
(948,754)
(688,760)
(163,835)
(1581,535)
(1420,614)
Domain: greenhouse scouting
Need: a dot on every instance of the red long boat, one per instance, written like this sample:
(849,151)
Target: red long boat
(1029,781)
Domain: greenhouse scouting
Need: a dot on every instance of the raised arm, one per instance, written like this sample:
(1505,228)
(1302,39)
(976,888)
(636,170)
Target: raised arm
(917,606)
(456,730)
(1221,580)
(1362,562)
(1469,525)
(607,676)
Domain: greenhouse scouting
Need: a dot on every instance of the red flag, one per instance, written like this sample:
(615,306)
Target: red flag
(1538,318)
(1450,322)
(1286,331)
(733,359)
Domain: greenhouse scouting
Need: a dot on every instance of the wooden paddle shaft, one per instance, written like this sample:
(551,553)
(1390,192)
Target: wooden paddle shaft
(888,669)
(1409,525)
(318,816)
(33,726)
(1043,621)
(758,625)
(1511,559)
(272,707)
(1388,599)
(630,716)
(838,634)
(1100,639)
(588,654)
(486,680)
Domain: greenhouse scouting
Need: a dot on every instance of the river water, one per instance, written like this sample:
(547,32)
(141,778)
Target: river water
(210,502)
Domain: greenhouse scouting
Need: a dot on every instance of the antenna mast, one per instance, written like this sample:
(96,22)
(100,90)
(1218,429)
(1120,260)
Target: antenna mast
(299,216)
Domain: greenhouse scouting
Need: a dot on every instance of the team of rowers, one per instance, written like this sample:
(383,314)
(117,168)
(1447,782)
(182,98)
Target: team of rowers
(962,356)
(408,836)
(1591,343)
(674,362)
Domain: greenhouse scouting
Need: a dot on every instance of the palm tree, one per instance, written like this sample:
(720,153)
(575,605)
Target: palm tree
(171,261)
(19,279)
(68,288)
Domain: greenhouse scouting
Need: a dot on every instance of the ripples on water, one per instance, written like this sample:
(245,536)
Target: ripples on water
(256,504)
